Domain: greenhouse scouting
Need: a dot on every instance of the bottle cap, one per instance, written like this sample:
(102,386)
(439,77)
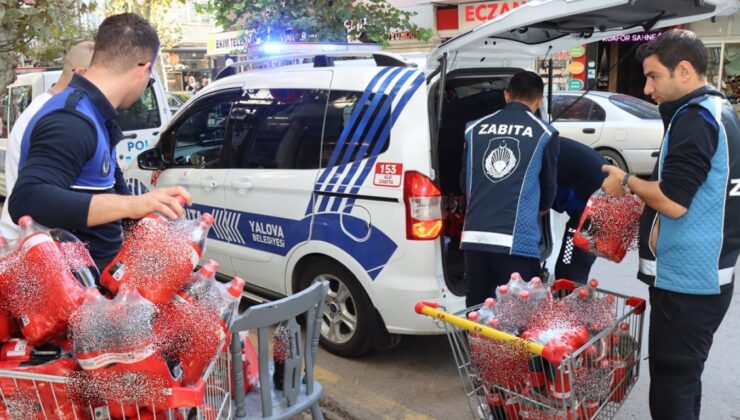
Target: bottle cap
(494,323)
(624,326)
(489,302)
(582,293)
(207,218)
(180,199)
(25,221)
(503,289)
(473,316)
(207,271)
(524,295)
(214,264)
(236,286)
(593,283)
(536,281)
(516,276)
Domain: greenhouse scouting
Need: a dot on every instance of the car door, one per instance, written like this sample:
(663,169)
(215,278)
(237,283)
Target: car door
(578,117)
(274,159)
(192,149)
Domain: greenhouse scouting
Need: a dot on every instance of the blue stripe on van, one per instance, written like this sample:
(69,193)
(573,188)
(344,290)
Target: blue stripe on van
(382,137)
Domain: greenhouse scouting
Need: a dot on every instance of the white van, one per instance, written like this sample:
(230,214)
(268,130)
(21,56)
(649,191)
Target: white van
(349,171)
(140,123)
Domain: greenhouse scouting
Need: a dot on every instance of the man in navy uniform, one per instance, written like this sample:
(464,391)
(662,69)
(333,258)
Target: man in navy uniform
(689,229)
(510,180)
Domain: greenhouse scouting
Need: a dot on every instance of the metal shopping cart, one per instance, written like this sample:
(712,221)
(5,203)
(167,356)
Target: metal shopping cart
(26,396)
(507,377)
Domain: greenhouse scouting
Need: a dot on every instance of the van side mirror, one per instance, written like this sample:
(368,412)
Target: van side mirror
(151,160)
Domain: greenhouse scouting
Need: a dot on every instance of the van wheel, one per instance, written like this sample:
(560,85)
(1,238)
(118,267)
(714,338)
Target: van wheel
(347,327)
(614,158)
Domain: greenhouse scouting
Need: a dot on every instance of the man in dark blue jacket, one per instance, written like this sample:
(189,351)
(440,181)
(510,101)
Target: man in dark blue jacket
(579,176)
(69,177)
(510,179)
(689,229)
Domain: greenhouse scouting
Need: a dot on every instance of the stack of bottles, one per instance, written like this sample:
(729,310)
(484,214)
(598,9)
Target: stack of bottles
(563,325)
(123,337)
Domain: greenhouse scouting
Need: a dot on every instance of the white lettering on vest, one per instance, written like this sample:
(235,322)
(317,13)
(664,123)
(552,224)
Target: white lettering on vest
(735,191)
(505,130)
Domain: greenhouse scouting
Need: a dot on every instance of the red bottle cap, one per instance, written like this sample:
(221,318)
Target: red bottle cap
(524,295)
(180,199)
(207,218)
(593,283)
(236,286)
(582,293)
(536,281)
(25,221)
(489,302)
(516,276)
(214,264)
(504,290)
(207,271)
(473,316)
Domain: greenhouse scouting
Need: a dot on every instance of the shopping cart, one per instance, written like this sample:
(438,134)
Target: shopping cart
(507,377)
(42,396)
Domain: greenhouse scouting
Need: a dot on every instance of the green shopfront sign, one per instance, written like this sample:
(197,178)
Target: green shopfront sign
(575,84)
(577,51)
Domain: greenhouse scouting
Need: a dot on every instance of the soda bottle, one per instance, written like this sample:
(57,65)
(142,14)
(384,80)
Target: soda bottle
(281,351)
(537,291)
(198,232)
(486,311)
(622,360)
(77,257)
(201,286)
(18,349)
(516,284)
(59,293)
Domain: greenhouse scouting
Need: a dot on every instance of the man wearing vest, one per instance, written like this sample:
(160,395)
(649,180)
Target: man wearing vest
(68,175)
(690,230)
(510,167)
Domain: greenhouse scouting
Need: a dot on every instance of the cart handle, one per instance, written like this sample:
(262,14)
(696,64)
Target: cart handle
(553,353)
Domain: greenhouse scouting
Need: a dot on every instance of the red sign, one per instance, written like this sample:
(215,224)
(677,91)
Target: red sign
(388,174)
(472,15)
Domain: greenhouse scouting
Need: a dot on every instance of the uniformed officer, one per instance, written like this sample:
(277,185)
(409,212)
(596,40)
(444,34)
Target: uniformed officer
(510,179)
(69,177)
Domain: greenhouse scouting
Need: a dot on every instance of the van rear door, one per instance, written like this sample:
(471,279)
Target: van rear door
(543,27)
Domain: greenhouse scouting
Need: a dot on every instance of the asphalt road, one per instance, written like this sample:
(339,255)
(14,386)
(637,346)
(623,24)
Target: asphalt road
(418,379)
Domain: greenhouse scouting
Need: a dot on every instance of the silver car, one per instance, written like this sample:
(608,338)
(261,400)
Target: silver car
(626,130)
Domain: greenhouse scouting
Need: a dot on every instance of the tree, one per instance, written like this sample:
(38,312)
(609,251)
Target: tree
(314,20)
(28,27)
(156,12)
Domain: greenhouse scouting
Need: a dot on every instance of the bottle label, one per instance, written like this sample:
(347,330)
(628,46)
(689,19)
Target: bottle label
(92,360)
(118,270)
(18,350)
(35,239)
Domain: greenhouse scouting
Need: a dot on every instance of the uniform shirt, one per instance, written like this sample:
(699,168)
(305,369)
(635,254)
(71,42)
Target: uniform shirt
(59,146)
(12,154)
(510,175)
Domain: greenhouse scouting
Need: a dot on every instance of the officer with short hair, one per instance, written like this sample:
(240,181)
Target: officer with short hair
(510,169)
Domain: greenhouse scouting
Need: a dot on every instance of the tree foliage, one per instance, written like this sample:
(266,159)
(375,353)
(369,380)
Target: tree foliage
(156,12)
(314,20)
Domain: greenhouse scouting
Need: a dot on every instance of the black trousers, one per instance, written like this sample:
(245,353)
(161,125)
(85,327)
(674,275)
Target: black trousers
(484,271)
(573,263)
(681,331)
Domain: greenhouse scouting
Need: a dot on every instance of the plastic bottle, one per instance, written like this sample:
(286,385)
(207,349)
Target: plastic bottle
(21,350)
(59,293)
(486,311)
(198,232)
(281,351)
(537,291)
(516,284)
(201,285)
(502,292)
(77,257)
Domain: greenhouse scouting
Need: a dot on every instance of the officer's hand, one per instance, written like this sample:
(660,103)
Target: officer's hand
(612,184)
(161,200)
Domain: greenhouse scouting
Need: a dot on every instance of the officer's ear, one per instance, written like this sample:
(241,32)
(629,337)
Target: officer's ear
(507,96)
(538,102)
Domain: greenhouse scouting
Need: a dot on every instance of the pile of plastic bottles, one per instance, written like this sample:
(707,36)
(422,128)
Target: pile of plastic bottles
(564,326)
(123,338)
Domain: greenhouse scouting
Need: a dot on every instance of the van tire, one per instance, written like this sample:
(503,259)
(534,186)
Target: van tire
(347,306)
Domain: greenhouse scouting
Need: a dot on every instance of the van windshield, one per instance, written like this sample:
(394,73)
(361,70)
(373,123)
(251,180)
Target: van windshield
(142,115)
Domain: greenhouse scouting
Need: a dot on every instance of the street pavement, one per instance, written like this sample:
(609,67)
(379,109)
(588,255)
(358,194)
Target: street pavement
(419,380)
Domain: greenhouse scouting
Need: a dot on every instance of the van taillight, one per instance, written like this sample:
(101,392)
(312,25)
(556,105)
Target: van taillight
(423,207)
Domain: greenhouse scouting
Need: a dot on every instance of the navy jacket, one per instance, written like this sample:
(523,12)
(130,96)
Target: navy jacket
(510,175)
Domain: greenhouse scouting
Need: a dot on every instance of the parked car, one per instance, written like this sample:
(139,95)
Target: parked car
(140,123)
(337,170)
(177,99)
(626,130)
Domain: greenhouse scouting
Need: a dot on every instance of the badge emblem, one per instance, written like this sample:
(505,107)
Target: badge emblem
(501,158)
(105,170)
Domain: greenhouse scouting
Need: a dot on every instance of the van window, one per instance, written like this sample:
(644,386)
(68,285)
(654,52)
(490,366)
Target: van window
(142,115)
(197,138)
(282,128)
(18,101)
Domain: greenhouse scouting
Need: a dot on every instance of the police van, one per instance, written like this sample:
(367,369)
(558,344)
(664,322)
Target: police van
(348,171)
(140,123)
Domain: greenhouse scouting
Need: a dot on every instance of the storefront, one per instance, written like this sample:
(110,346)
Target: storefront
(184,62)
(722,38)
